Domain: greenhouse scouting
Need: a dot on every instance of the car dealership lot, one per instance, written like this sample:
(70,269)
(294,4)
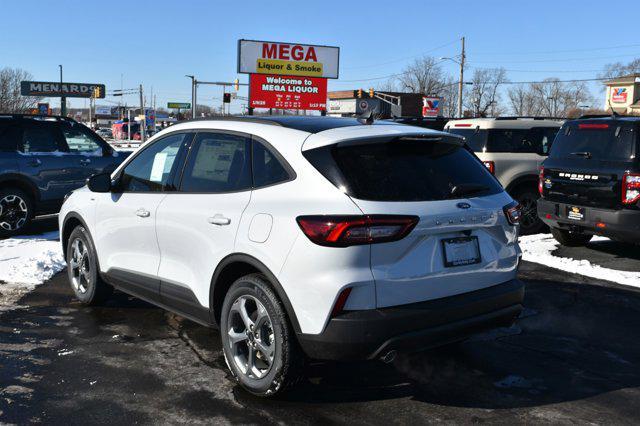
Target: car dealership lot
(571,357)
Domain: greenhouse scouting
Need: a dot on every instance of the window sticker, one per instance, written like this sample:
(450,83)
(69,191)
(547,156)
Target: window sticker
(158,168)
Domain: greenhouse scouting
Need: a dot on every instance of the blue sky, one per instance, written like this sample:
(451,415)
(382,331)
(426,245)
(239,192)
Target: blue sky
(157,42)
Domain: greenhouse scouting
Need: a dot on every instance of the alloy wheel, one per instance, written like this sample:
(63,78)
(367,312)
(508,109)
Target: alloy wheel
(250,337)
(79,266)
(529,212)
(13,212)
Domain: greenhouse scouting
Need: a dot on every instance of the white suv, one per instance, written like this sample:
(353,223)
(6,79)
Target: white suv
(512,148)
(302,237)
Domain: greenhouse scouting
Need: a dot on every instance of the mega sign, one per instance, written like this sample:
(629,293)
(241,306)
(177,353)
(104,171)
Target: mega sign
(619,95)
(69,90)
(287,92)
(266,57)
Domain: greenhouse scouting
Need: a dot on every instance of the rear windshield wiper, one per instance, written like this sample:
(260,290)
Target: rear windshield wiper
(467,189)
(584,154)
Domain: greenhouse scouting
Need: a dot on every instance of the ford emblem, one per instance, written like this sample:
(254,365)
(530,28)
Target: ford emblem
(463,205)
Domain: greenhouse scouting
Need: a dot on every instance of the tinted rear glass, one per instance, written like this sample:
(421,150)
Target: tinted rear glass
(475,138)
(400,170)
(615,142)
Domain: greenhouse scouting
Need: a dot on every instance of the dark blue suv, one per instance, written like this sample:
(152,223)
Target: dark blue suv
(43,158)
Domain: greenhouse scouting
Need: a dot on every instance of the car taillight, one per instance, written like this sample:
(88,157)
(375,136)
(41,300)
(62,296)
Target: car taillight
(513,212)
(541,182)
(340,302)
(491,166)
(630,188)
(343,231)
(593,126)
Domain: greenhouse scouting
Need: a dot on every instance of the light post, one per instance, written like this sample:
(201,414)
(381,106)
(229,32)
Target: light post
(63,100)
(461,81)
(194,85)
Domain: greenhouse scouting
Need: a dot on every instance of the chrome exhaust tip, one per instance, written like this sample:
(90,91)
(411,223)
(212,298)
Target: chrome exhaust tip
(389,357)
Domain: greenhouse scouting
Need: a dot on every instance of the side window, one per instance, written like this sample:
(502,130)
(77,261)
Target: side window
(151,170)
(267,170)
(80,141)
(218,162)
(509,140)
(40,138)
(9,138)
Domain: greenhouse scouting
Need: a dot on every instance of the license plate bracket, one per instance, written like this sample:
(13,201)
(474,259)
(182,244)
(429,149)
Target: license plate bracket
(460,251)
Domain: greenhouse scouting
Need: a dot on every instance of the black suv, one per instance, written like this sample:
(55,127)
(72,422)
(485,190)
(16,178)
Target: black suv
(590,183)
(43,158)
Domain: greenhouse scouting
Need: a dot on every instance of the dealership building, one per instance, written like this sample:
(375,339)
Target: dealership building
(623,95)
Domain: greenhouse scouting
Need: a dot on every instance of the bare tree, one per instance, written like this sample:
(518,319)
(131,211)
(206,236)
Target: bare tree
(11,101)
(555,98)
(390,85)
(522,101)
(484,98)
(424,76)
(618,69)
(449,95)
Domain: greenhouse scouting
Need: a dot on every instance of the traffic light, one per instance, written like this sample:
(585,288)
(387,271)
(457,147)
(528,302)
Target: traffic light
(97,92)
(226,98)
(236,84)
(371,93)
(359,93)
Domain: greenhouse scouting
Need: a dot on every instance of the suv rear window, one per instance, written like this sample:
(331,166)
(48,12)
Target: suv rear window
(404,170)
(599,140)
(534,140)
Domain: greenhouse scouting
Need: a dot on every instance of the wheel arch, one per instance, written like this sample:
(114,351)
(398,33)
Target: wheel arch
(21,182)
(71,221)
(235,266)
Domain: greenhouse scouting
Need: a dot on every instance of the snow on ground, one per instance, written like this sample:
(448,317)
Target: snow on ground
(538,248)
(26,262)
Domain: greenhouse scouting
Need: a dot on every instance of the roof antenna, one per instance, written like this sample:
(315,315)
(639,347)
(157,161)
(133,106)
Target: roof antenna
(614,114)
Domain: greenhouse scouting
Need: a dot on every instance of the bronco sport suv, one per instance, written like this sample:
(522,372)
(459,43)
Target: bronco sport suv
(590,183)
(512,148)
(42,159)
(313,236)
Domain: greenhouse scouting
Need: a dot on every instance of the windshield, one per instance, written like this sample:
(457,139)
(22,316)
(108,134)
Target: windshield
(602,141)
(404,170)
(475,138)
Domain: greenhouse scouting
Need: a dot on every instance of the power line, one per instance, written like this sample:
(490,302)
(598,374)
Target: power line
(402,59)
(558,60)
(558,51)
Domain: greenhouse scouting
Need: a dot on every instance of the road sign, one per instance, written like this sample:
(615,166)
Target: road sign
(68,90)
(266,57)
(43,108)
(178,105)
(287,92)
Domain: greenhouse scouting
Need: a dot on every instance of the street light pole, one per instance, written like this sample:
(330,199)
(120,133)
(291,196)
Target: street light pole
(461,82)
(63,100)
(194,84)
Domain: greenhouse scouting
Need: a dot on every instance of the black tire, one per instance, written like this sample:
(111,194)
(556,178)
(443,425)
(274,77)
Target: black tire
(570,239)
(16,211)
(83,272)
(530,223)
(286,368)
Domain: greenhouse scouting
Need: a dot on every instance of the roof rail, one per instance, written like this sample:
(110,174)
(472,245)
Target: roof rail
(248,119)
(516,117)
(587,116)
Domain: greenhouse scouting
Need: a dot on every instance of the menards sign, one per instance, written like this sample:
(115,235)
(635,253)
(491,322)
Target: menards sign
(304,60)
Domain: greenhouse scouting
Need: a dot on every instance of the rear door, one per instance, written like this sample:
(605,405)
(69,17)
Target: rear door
(461,242)
(197,224)
(587,163)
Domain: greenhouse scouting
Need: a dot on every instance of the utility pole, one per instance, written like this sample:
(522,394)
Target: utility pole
(63,100)
(461,83)
(194,84)
(143,122)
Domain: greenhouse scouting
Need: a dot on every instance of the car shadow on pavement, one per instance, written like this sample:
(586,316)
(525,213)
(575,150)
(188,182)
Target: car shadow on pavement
(574,341)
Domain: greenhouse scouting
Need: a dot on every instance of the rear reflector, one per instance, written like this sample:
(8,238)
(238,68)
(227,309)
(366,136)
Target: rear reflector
(548,216)
(513,212)
(462,125)
(601,225)
(340,302)
(630,188)
(491,166)
(593,126)
(344,231)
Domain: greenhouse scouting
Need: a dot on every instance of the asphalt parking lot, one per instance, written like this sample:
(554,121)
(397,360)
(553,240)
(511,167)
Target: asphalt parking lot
(572,357)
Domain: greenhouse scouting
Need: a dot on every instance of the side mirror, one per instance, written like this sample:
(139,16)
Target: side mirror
(99,183)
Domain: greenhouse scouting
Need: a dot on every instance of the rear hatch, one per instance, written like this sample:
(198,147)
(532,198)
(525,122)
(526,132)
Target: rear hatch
(587,163)
(461,242)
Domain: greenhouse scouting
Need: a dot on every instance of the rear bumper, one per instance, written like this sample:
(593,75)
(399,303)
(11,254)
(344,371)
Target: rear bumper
(621,225)
(369,334)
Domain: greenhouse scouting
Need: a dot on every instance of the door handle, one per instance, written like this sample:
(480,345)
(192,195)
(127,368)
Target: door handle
(143,213)
(34,162)
(85,161)
(219,220)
